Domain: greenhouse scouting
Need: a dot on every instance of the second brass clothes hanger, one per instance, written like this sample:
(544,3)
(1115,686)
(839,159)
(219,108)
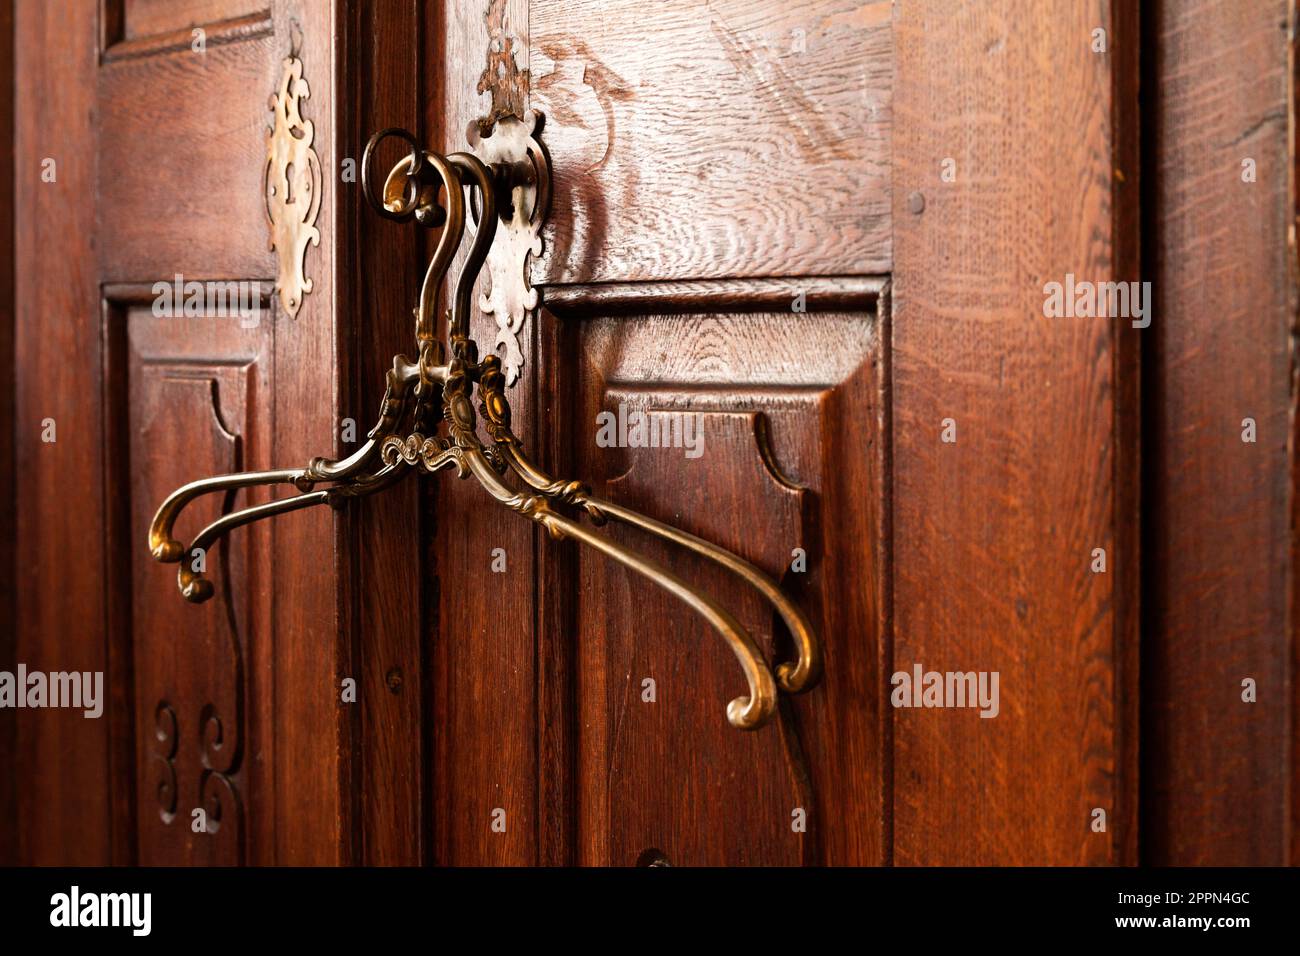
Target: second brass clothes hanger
(428,421)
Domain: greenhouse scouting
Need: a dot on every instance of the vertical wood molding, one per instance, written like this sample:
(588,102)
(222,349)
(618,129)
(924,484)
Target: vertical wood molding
(64,802)
(312,728)
(993,534)
(8,719)
(385,85)
(1218,772)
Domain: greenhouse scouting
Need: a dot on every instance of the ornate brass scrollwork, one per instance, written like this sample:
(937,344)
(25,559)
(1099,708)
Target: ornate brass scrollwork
(428,421)
(292,186)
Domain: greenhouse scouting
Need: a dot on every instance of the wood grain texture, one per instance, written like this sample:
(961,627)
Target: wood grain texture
(714,138)
(483,661)
(8,521)
(148,187)
(1217,771)
(795,423)
(670,773)
(993,534)
(201,707)
(148,18)
(380,52)
(188,129)
(313,649)
(62,804)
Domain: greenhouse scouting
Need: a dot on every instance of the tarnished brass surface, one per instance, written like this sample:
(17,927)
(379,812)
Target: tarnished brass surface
(513,144)
(292,185)
(425,395)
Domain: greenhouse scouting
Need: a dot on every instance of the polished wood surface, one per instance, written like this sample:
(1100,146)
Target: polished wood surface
(159,172)
(792,423)
(384,605)
(65,803)
(8,516)
(1218,770)
(821,226)
(993,533)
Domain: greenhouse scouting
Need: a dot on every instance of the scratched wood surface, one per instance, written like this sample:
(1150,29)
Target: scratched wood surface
(1217,769)
(993,534)
(714,138)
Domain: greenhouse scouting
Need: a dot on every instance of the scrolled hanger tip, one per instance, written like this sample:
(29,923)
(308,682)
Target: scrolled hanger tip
(167,551)
(751,713)
(797,678)
(196,590)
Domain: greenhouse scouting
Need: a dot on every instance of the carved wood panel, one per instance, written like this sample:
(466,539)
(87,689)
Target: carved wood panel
(181,141)
(789,473)
(192,393)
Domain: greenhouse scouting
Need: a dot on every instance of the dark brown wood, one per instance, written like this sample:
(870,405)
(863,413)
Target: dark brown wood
(754,221)
(795,430)
(484,657)
(556,398)
(118,572)
(218,178)
(65,800)
(160,159)
(1217,770)
(993,534)
(385,88)
(205,385)
(8,524)
(312,774)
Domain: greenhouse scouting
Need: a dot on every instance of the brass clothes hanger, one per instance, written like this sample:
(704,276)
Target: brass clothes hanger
(428,421)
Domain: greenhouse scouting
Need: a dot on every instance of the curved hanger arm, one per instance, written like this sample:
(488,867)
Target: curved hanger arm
(481,177)
(793,678)
(440,388)
(166,548)
(452,233)
(746,712)
(163,545)
(197,588)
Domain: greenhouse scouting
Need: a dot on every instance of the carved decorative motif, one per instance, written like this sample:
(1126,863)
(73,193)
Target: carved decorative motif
(292,186)
(220,756)
(164,755)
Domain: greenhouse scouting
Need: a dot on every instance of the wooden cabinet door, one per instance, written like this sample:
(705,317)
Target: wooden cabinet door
(824,230)
(820,228)
(146,154)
